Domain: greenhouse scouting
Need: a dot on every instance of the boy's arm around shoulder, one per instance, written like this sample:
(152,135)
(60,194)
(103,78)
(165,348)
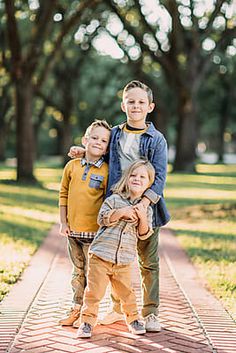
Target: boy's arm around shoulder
(76,152)
(159,160)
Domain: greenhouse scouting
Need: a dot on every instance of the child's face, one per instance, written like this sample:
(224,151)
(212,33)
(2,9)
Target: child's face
(138,182)
(136,106)
(96,143)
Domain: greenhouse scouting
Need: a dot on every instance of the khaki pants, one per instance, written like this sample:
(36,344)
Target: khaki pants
(100,273)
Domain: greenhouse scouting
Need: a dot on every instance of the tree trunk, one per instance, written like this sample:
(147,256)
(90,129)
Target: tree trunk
(2,144)
(66,137)
(224,115)
(222,127)
(159,117)
(24,130)
(186,132)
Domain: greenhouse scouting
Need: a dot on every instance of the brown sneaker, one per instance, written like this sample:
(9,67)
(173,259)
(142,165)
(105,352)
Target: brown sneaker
(72,316)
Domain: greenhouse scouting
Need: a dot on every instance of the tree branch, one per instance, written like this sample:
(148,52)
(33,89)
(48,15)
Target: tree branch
(14,40)
(177,33)
(222,44)
(147,26)
(41,28)
(162,60)
(67,26)
(209,26)
(193,17)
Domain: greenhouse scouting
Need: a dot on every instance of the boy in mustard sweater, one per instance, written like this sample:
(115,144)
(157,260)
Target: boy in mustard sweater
(83,188)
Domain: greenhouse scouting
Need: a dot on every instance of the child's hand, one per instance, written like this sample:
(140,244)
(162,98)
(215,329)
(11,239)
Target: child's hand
(129,214)
(141,210)
(64,229)
(76,152)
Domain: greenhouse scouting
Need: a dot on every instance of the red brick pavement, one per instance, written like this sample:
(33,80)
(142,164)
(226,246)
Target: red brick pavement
(192,319)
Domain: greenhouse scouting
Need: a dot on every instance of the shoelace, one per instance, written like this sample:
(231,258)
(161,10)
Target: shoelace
(87,327)
(151,317)
(136,324)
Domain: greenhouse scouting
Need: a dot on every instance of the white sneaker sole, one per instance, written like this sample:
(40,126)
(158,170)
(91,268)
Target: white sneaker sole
(153,329)
(83,335)
(140,332)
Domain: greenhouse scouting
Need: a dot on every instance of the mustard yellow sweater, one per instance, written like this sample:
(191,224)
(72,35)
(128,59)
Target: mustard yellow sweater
(82,190)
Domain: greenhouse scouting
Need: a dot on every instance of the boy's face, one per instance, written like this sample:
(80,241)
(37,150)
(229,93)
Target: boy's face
(96,143)
(136,106)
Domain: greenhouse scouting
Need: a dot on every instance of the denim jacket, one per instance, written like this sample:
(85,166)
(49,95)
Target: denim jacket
(153,146)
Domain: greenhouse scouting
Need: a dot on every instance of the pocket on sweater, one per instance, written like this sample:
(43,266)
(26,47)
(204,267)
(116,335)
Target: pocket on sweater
(95,181)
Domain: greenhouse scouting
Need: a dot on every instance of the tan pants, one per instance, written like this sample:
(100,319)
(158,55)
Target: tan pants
(100,273)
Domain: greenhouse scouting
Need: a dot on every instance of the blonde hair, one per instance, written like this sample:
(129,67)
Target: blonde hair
(135,84)
(97,123)
(121,187)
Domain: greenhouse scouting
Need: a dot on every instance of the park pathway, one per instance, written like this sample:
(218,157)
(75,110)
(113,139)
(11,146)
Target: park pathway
(192,319)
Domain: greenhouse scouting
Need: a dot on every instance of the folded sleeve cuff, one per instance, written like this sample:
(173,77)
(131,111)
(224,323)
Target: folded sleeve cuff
(106,219)
(63,202)
(152,196)
(145,236)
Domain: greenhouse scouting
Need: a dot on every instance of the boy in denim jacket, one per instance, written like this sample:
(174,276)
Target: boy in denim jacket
(129,141)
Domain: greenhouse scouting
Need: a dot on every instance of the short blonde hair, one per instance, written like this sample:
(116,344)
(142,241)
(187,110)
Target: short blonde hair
(121,187)
(97,123)
(135,84)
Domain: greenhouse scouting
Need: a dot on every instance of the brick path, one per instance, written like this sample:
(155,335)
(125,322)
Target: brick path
(192,319)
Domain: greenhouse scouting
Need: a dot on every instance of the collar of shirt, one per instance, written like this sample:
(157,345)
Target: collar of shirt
(133,130)
(97,163)
(132,202)
(151,130)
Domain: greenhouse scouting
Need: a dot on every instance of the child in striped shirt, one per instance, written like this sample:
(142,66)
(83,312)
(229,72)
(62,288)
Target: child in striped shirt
(122,219)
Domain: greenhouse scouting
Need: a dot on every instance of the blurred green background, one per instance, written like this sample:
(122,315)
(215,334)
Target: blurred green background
(64,63)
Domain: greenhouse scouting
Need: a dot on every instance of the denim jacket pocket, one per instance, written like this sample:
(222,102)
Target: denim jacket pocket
(95,181)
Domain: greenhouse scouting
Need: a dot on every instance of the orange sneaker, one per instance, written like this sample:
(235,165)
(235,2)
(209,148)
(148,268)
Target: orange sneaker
(72,316)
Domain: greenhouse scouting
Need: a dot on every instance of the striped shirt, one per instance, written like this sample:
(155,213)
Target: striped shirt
(116,241)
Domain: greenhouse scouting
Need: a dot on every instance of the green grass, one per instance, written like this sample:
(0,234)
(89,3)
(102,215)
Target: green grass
(203,208)
(27,212)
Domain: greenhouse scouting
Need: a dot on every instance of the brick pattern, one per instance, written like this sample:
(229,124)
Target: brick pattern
(15,306)
(188,323)
(218,326)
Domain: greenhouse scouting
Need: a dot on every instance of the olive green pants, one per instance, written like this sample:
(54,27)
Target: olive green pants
(78,253)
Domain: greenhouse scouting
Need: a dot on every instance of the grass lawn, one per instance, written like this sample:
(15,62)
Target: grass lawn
(26,214)
(203,209)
